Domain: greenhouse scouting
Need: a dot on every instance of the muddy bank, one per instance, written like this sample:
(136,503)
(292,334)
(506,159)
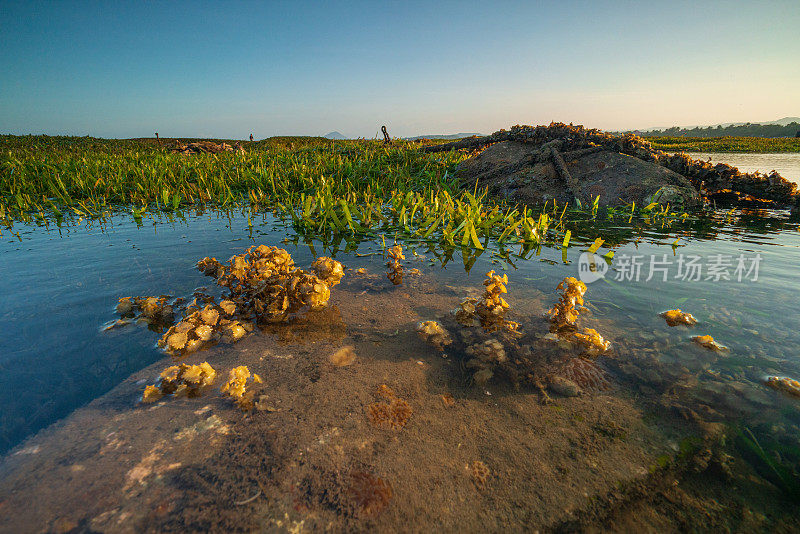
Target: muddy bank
(313,458)
(567,162)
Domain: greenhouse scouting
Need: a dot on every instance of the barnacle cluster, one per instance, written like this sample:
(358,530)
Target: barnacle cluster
(265,280)
(484,357)
(564,315)
(434,334)
(676,317)
(181,379)
(709,343)
(204,326)
(393,413)
(369,494)
(395,255)
(155,310)
(490,309)
(237,386)
(787,385)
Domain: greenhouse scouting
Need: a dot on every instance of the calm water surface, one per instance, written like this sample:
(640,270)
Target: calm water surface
(60,286)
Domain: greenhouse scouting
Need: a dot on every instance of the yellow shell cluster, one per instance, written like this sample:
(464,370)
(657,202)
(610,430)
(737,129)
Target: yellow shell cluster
(564,314)
(395,255)
(204,326)
(179,380)
(787,385)
(592,341)
(490,309)
(151,309)
(485,356)
(676,317)
(328,270)
(434,334)
(709,343)
(266,279)
(237,386)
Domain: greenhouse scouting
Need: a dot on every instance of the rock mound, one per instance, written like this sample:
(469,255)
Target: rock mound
(206,147)
(522,172)
(569,161)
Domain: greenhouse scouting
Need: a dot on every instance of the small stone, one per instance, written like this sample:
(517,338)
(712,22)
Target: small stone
(564,387)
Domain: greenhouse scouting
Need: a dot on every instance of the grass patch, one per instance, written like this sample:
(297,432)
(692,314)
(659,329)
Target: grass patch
(326,188)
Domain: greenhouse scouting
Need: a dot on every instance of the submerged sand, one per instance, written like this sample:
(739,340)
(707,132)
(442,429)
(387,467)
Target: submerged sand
(310,459)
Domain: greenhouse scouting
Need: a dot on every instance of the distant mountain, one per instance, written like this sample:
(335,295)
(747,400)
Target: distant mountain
(334,135)
(443,136)
(784,121)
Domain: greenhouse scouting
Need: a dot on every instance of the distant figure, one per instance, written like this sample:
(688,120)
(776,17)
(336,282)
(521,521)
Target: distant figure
(251,138)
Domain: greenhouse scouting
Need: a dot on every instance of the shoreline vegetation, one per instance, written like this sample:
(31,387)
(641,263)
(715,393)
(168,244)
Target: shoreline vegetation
(744,145)
(324,187)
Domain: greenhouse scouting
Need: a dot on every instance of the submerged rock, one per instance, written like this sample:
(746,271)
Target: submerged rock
(564,387)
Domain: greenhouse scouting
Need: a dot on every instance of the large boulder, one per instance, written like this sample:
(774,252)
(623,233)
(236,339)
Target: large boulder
(534,174)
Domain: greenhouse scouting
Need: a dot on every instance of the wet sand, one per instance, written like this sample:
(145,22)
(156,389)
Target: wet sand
(311,459)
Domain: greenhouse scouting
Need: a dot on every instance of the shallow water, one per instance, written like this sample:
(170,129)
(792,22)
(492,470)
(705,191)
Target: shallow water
(787,164)
(60,289)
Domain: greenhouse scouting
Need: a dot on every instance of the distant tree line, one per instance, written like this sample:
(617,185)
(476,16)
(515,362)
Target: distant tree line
(743,130)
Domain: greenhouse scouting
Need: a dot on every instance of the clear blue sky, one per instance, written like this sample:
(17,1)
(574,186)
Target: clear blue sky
(226,69)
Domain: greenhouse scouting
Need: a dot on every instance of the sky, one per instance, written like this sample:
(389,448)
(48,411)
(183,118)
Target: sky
(229,69)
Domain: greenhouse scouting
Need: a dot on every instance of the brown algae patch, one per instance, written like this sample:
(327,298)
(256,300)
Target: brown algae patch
(391,414)
(343,357)
(370,494)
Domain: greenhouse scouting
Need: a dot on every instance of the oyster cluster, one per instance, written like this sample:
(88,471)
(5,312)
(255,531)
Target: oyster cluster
(676,317)
(183,379)
(787,385)
(564,314)
(434,334)
(484,358)
(490,309)
(152,310)
(205,326)
(709,343)
(237,386)
(395,255)
(265,280)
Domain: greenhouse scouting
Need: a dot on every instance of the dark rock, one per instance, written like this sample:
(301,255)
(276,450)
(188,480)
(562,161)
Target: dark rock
(552,151)
(525,173)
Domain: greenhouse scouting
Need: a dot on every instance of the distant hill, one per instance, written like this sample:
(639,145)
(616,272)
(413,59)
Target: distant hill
(334,135)
(785,127)
(785,121)
(443,136)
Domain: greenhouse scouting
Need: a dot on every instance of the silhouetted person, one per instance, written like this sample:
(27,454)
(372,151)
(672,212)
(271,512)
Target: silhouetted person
(251,138)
